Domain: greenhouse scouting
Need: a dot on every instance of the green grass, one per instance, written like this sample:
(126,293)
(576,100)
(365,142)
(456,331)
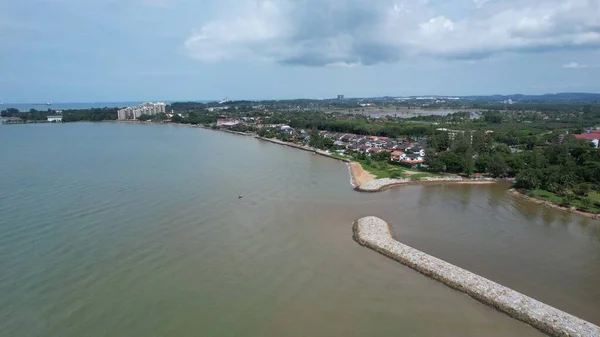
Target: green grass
(420,176)
(546,195)
(552,197)
(595,196)
(383,169)
(340,156)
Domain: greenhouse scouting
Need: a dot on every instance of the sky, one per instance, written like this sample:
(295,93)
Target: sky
(134,50)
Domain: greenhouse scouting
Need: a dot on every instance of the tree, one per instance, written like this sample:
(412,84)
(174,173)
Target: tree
(10,112)
(462,142)
(452,162)
(493,117)
(434,162)
(497,166)
(482,143)
(144,117)
(528,179)
(581,190)
(537,159)
(468,163)
(482,163)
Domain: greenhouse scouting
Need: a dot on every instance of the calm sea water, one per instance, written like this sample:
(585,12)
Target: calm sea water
(70,106)
(112,229)
(66,106)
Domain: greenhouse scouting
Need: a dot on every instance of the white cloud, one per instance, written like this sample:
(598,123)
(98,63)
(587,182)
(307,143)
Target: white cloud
(355,32)
(574,65)
(577,65)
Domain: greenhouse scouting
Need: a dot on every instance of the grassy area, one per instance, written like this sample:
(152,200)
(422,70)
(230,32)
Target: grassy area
(579,204)
(340,156)
(420,176)
(383,169)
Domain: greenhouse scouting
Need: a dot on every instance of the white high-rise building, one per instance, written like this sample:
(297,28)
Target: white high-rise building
(148,108)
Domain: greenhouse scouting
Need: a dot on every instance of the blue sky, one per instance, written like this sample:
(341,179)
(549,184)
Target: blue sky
(129,50)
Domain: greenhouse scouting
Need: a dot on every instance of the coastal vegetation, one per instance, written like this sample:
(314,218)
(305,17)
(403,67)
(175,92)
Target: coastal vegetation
(530,141)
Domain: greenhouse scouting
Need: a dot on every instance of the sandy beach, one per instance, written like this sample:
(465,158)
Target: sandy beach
(359,175)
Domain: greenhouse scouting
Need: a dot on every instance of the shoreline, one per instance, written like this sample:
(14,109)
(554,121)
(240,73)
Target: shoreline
(375,233)
(303,148)
(364,181)
(516,193)
(379,185)
(358,175)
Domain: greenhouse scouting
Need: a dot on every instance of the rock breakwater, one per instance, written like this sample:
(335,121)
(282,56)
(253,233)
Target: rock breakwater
(384,183)
(375,233)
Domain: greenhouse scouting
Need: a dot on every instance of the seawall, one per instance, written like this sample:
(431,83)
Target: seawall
(302,147)
(376,234)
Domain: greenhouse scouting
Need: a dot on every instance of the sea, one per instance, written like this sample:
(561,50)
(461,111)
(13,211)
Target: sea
(70,106)
(120,229)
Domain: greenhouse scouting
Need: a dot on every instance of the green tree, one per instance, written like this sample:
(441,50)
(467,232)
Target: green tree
(452,162)
(468,163)
(537,159)
(581,190)
(528,179)
(497,165)
(432,160)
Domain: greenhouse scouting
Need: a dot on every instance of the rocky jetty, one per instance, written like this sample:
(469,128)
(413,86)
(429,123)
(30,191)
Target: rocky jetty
(384,183)
(375,233)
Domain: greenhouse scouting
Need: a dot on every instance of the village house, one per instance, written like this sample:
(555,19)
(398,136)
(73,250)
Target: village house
(413,160)
(593,136)
(398,155)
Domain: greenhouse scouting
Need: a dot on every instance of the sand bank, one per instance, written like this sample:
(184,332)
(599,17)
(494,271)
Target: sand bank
(375,233)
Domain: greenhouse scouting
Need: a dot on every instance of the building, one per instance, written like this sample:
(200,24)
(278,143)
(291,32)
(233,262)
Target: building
(148,108)
(592,136)
(227,122)
(340,97)
(54,118)
(453,133)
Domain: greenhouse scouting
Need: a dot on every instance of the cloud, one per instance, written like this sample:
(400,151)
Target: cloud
(577,65)
(574,65)
(365,32)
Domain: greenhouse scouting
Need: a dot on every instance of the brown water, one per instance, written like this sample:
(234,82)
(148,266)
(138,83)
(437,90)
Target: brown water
(136,230)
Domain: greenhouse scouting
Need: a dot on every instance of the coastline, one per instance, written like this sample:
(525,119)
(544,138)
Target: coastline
(364,181)
(358,175)
(374,233)
(378,185)
(302,147)
(516,193)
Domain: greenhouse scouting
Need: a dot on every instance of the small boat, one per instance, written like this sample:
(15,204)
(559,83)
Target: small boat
(241,196)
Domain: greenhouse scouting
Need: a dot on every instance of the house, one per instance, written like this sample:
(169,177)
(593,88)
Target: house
(346,137)
(374,150)
(54,118)
(592,136)
(227,122)
(413,159)
(354,147)
(363,148)
(398,155)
